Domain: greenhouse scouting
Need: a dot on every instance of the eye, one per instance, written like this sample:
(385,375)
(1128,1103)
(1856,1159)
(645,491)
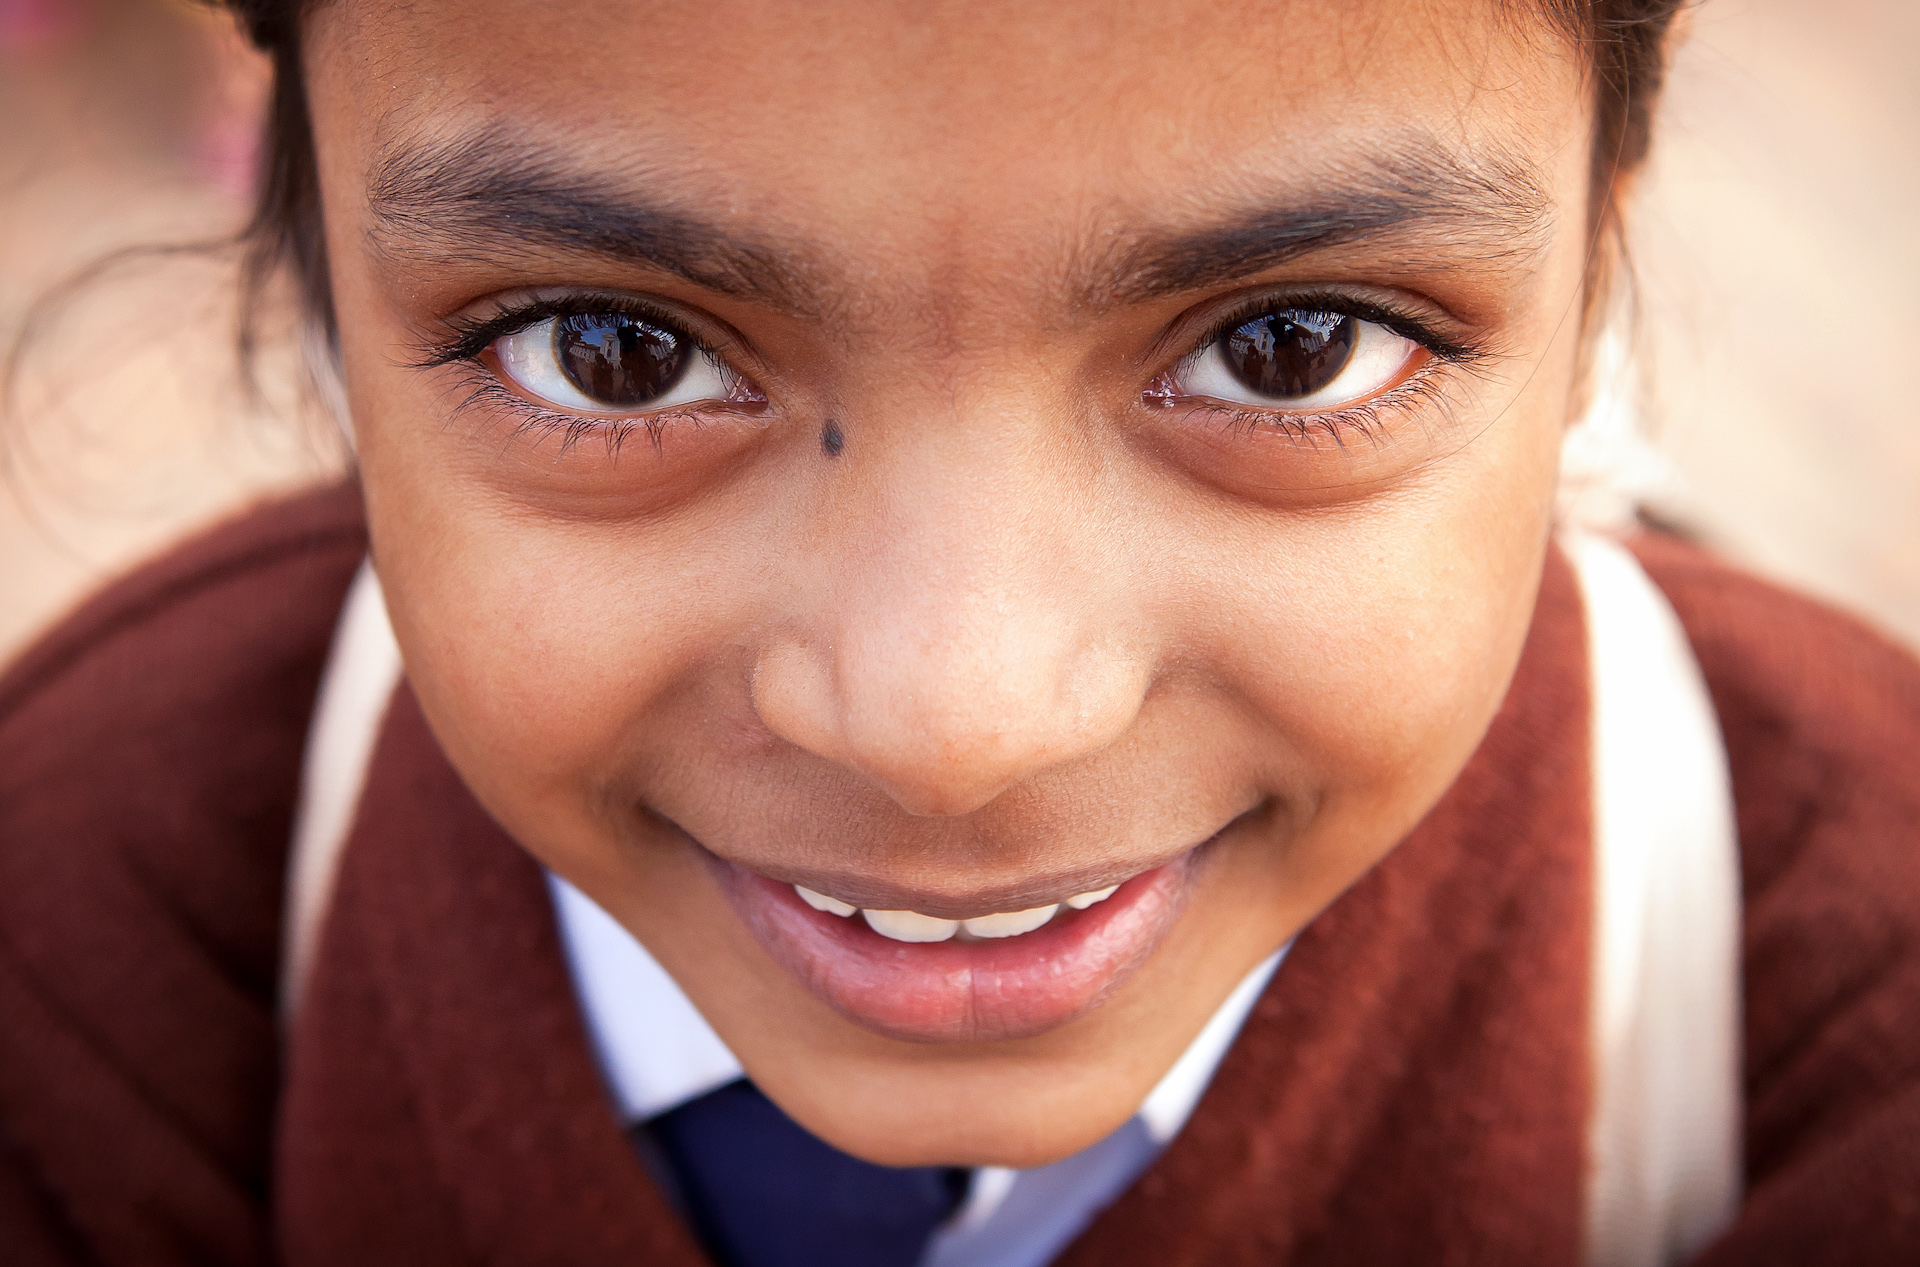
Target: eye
(612,362)
(1296,359)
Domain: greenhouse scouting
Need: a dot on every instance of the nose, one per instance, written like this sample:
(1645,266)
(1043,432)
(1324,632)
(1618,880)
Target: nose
(964,632)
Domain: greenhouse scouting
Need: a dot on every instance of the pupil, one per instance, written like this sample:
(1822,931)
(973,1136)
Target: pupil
(619,361)
(1290,353)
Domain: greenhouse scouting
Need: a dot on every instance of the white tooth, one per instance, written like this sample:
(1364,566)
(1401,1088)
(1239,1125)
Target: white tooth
(911,925)
(1081,901)
(1009,923)
(821,902)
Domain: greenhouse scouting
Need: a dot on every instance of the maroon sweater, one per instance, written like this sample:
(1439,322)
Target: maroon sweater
(1411,1088)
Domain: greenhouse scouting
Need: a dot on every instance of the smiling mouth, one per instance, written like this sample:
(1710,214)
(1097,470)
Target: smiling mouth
(912,926)
(997,975)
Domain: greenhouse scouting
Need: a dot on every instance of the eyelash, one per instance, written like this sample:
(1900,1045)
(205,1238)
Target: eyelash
(1368,418)
(1372,420)
(469,338)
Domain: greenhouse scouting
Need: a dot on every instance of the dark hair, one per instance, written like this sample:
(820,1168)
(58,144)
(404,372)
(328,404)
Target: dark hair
(1623,43)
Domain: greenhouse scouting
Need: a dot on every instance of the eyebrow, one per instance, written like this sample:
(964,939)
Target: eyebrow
(488,193)
(1492,205)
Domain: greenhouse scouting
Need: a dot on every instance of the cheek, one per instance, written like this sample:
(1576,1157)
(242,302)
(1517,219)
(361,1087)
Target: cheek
(539,648)
(545,612)
(527,653)
(1377,641)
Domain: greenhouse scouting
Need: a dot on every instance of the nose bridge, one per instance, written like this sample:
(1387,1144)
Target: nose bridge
(970,636)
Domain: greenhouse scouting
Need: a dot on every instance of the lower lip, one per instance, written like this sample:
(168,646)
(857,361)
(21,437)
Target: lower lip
(963,991)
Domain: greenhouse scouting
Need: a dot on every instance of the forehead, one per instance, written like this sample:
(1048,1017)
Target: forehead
(903,160)
(865,101)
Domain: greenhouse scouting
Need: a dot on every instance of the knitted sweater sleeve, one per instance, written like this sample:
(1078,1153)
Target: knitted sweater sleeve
(1822,721)
(149,760)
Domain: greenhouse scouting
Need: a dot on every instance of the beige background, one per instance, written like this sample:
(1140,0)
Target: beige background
(121,122)
(1779,263)
(1776,242)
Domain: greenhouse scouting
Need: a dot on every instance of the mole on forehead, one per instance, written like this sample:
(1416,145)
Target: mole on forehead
(494,193)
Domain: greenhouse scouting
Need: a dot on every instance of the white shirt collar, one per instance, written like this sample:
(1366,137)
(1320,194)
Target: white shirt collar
(655,1049)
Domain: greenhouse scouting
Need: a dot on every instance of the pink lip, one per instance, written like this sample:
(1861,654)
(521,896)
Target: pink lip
(962,991)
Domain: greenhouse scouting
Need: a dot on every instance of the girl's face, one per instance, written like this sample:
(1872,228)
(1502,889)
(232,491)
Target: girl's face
(956,458)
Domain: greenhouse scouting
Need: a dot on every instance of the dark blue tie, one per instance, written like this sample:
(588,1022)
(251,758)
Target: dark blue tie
(764,1192)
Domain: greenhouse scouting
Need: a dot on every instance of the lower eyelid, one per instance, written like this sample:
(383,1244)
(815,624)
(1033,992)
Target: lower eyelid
(492,394)
(1363,417)
(529,417)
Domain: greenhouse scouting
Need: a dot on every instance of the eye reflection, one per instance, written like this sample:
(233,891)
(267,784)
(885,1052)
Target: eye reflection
(611,362)
(1295,359)
(619,361)
(1289,354)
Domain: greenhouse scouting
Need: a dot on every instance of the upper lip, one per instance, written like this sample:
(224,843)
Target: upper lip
(870,893)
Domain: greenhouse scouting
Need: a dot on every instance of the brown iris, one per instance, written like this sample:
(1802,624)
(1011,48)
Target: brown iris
(620,362)
(1290,353)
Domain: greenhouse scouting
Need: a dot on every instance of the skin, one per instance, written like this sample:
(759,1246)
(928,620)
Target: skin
(1025,630)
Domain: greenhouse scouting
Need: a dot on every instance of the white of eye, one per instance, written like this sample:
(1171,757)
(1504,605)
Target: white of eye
(1379,355)
(531,358)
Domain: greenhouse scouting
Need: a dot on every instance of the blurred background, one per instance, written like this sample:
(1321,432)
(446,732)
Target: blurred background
(128,123)
(1776,246)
